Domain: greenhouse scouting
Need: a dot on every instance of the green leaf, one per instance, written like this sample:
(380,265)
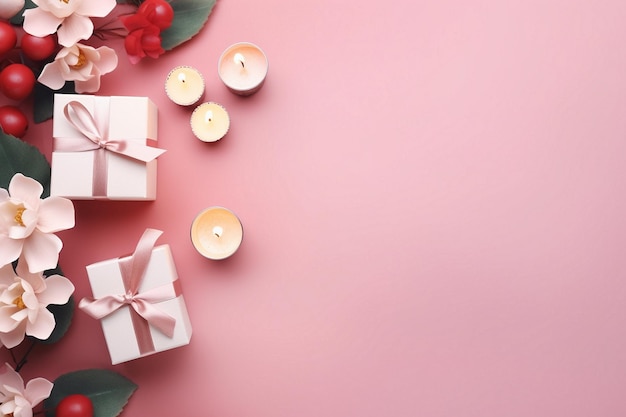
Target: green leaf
(189,18)
(55,271)
(44,100)
(63,318)
(109,391)
(19,156)
(18,19)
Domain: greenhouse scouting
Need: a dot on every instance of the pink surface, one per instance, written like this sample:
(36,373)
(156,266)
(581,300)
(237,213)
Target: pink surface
(432,194)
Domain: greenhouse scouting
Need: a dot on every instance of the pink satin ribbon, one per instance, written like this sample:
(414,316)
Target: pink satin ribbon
(143,310)
(92,139)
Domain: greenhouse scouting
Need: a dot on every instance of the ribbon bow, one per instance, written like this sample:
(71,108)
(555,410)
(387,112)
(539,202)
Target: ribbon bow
(92,139)
(133,270)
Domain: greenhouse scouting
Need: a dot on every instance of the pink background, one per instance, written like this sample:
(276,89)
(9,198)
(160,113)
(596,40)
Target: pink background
(432,195)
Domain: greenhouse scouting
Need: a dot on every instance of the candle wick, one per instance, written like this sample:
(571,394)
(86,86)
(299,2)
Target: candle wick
(217,231)
(240,59)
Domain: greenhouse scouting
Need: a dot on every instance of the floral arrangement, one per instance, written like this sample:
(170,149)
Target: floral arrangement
(28,247)
(36,304)
(58,51)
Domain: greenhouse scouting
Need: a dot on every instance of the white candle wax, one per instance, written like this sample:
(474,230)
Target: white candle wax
(216,233)
(243,68)
(210,122)
(184,85)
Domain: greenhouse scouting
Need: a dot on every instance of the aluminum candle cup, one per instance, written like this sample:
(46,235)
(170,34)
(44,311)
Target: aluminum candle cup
(216,233)
(243,68)
(184,85)
(210,122)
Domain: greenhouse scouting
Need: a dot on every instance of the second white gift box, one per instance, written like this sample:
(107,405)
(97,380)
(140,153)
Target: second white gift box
(100,148)
(138,301)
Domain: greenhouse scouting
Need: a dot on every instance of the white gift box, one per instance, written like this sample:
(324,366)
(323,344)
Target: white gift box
(119,332)
(133,119)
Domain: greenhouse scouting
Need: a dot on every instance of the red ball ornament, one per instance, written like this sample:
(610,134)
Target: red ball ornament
(8,37)
(37,48)
(13,121)
(75,405)
(17,81)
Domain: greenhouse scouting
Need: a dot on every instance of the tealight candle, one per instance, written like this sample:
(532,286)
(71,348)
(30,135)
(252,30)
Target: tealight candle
(210,122)
(184,85)
(216,233)
(243,68)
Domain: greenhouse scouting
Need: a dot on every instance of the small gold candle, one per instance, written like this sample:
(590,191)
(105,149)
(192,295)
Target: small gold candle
(184,85)
(210,122)
(216,233)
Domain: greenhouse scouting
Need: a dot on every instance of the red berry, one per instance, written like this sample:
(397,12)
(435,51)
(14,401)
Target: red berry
(17,81)
(13,121)
(37,48)
(8,37)
(158,12)
(75,405)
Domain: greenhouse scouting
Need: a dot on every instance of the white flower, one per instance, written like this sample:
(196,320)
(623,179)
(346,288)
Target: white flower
(27,224)
(79,63)
(71,17)
(17,400)
(23,301)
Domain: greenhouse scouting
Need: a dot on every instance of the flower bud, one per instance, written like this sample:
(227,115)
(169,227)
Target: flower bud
(158,12)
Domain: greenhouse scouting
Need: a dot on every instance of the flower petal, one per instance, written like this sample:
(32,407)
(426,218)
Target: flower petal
(52,76)
(6,408)
(7,216)
(7,275)
(19,315)
(29,217)
(108,60)
(86,73)
(90,86)
(30,281)
(37,390)
(55,214)
(14,337)
(18,232)
(98,8)
(75,28)
(23,409)
(25,190)
(10,8)
(7,324)
(42,327)
(10,249)
(40,23)
(9,377)
(58,290)
(134,59)
(60,9)
(41,251)
(9,294)
(30,300)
